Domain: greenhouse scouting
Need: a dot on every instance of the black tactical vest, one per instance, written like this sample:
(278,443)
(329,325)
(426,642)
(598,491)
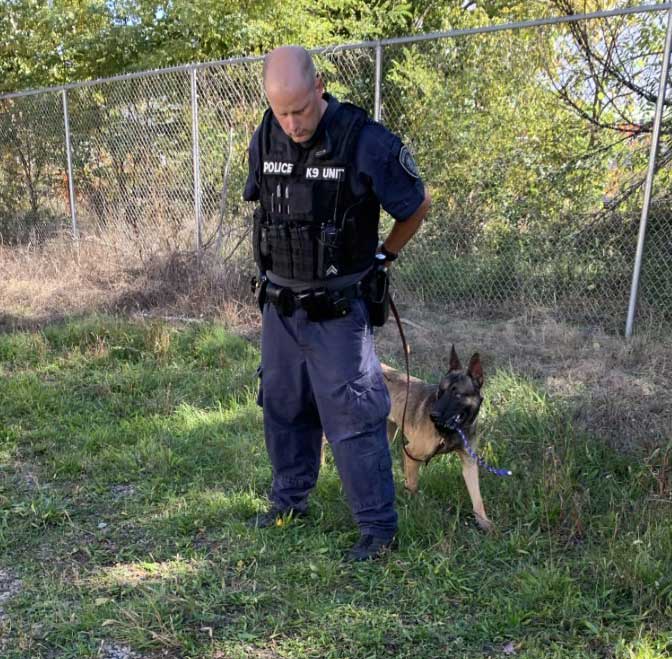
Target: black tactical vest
(310,225)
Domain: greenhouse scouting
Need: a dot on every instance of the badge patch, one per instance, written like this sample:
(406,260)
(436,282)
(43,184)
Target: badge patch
(407,162)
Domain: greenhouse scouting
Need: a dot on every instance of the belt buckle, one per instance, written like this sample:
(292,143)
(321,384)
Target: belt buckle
(316,303)
(302,297)
(287,302)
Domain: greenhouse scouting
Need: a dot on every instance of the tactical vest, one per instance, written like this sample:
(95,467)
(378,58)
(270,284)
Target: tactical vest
(310,224)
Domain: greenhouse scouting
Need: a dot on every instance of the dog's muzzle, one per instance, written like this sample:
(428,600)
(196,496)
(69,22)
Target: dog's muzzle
(454,422)
(451,423)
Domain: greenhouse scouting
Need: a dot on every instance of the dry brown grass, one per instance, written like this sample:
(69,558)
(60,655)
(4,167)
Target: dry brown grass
(61,279)
(40,284)
(619,390)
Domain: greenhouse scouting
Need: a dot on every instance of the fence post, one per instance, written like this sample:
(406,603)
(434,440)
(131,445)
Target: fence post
(196,156)
(68,153)
(379,77)
(655,138)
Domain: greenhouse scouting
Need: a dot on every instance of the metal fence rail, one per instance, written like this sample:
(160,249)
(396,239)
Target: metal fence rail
(537,168)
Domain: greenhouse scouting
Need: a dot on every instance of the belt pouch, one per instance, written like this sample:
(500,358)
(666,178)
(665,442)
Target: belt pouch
(260,247)
(378,296)
(282,298)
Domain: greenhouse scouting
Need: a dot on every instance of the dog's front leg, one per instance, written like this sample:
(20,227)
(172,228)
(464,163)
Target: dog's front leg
(391,430)
(411,470)
(470,475)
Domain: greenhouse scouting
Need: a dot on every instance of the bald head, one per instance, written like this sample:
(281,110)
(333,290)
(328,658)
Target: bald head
(288,68)
(294,92)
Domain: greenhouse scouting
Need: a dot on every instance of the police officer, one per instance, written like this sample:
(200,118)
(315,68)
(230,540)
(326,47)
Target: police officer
(321,170)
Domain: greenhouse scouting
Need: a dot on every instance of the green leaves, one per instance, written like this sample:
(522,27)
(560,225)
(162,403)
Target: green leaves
(82,39)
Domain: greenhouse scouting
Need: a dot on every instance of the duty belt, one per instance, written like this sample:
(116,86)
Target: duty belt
(319,303)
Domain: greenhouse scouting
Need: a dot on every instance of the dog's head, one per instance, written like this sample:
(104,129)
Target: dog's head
(458,397)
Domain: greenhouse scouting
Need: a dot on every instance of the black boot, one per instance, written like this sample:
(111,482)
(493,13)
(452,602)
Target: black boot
(370,547)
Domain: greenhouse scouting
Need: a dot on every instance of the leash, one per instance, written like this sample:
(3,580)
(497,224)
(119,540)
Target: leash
(404,344)
(474,456)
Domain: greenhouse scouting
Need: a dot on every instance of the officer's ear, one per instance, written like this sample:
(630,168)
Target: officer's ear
(319,82)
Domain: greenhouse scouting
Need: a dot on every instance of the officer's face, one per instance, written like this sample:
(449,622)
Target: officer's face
(298,110)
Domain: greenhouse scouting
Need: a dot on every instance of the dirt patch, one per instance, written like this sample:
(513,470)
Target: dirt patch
(119,492)
(29,478)
(619,389)
(9,587)
(111,651)
(251,652)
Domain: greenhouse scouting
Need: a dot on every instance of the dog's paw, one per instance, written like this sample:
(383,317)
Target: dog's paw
(411,492)
(484,523)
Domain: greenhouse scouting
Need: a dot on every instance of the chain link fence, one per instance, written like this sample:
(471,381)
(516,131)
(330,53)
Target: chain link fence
(534,142)
(131,146)
(34,201)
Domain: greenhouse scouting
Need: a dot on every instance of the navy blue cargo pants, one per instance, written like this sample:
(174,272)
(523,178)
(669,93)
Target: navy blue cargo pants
(325,376)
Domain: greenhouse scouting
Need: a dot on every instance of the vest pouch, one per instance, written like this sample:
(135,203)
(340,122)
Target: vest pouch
(281,253)
(260,247)
(351,240)
(330,256)
(303,252)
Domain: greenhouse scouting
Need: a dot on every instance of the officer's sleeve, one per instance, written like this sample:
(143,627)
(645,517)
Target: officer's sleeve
(388,167)
(251,192)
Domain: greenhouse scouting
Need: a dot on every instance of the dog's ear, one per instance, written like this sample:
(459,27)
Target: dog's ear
(454,360)
(475,370)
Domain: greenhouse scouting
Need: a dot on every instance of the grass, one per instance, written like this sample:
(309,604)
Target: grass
(131,455)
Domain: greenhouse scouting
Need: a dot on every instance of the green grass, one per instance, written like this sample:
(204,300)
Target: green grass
(132,454)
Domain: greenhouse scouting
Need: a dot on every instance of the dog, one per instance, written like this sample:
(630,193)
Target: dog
(432,414)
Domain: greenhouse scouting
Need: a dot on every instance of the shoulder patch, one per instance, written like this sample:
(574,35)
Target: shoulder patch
(407,162)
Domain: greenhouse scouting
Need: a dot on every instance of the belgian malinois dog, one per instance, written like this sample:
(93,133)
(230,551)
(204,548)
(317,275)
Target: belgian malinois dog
(432,414)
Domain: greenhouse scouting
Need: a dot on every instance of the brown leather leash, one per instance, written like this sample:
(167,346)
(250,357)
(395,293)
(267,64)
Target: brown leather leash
(404,344)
